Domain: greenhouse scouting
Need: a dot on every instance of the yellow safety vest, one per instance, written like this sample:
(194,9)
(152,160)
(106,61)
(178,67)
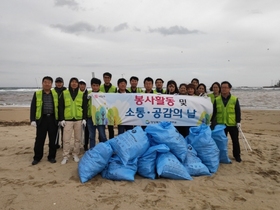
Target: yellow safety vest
(73,109)
(226,114)
(212,96)
(111,90)
(163,91)
(39,103)
(138,90)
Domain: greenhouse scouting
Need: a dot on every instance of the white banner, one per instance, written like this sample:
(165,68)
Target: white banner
(144,109)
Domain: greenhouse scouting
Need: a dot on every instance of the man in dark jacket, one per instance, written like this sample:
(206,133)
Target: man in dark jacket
(44,116)
(226,110)
(59,87)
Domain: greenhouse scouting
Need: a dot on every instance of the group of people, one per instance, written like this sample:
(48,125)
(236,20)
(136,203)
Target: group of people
(69,109)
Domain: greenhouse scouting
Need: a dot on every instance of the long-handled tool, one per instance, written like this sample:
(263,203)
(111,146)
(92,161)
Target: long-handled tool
(245,142)
(58,135)
(83,135)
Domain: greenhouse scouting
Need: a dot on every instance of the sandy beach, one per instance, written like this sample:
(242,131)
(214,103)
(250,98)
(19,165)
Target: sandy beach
(252,184)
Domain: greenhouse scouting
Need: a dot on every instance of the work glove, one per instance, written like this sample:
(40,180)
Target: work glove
(62,123)
(33,123)
(238,125)
(84,122)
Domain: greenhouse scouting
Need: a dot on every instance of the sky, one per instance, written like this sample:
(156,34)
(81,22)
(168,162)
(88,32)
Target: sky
(237,41)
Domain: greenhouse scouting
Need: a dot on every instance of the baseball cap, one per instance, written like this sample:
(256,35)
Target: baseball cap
(59,79)
(82,81)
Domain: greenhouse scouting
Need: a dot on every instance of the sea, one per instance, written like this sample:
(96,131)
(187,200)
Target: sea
(258,98)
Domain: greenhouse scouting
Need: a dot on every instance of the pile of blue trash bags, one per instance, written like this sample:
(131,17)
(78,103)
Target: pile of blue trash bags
(159,151)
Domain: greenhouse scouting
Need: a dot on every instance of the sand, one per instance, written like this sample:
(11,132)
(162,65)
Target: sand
(252,184)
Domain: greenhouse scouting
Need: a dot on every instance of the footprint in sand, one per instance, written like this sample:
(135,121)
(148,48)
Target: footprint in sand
(152,187)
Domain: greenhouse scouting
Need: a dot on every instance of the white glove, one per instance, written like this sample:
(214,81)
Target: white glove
(84,122)
(62,123)
(89,97)
(33,123)
(238,125)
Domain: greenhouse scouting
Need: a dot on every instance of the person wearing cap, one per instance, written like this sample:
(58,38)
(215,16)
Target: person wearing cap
(226,111)
(107,87)
(72,116)
(83,88)
(95,88)
(159,86)
(59,87)
(44,116)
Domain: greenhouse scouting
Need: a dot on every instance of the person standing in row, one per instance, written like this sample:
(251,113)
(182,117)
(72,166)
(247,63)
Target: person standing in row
(133,85)
(59,87)
(72,116)
(107,87)
(95,88)
(83,88)
(44,116)
(148,85)
(122,83)
(159,86)
(171,88)
(226,110)
(195,82)
(216,88)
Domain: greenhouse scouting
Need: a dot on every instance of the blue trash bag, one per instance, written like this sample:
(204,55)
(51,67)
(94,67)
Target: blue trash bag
(166,133)
(168,166)
(194,165)
(219,136)
(94,161)
(206,148)
(147,162)
(116,170)
(131,144)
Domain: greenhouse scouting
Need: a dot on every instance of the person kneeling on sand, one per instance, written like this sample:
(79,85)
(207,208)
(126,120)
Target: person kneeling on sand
(72,116)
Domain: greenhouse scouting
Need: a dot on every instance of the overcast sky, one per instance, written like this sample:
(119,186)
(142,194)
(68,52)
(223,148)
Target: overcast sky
(217,40)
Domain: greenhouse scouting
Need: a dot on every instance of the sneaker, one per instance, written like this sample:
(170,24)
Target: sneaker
(64,161)
(76,159)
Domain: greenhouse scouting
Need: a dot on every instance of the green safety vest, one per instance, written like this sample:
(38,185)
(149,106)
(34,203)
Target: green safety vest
(212,96)
(226,114)
(138,90)
(39,103)
(73,109)
(163,91)
(111,90)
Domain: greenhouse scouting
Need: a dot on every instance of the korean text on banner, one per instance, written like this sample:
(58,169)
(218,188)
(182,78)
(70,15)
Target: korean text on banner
(144,109)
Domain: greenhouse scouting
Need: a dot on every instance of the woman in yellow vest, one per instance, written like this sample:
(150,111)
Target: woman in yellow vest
(216,91)
(44,116)
(226,110)
(72,116)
